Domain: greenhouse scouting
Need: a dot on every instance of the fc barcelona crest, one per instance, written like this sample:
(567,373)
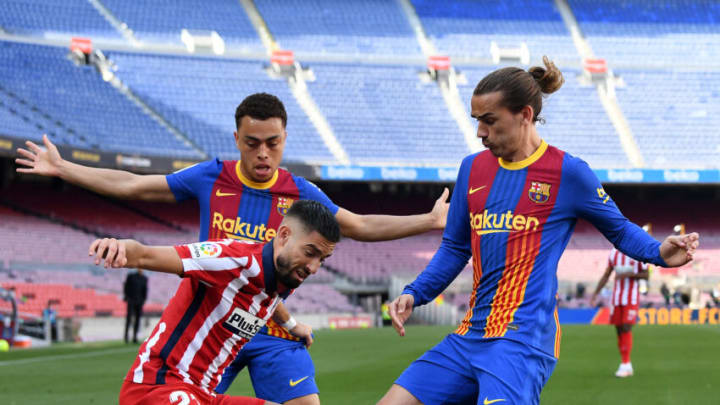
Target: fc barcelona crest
(284,205)
(539,192)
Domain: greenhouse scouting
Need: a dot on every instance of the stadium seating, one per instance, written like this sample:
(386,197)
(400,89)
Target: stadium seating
(48,17)
(77,96)
(674,116)
(368,28)
(385,114)
(462,28)
(647,32)
(575,120)
(204,107)
(162,20)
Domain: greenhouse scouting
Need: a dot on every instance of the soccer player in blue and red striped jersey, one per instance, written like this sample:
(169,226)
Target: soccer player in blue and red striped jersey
(230,288)
(512,211)
(245,199)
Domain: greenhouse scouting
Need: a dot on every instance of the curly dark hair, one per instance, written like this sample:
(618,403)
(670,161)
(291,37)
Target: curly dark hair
(261,106)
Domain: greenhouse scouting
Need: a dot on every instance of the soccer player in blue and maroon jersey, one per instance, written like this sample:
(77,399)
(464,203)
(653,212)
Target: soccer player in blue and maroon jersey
(512,211)
(245,199)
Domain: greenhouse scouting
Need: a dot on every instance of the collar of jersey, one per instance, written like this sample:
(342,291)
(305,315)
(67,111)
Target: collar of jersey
(525,162)
(252,184)
(271,284)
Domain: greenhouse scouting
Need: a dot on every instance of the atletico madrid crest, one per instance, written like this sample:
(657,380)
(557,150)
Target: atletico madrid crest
(284,205)
(539,192)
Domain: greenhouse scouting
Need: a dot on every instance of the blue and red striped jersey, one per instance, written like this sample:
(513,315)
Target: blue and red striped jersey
(233,206)
(515,219)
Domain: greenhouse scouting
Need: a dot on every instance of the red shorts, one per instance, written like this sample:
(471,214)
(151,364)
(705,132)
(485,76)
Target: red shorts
(623,315)
(177,394)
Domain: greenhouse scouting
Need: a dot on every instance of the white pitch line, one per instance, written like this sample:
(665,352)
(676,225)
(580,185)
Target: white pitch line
(65,356)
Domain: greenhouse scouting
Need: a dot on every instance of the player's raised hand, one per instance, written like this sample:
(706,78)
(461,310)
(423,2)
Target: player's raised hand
(440,210)
(110,249)
(36,160)
(303,331)
(400,310)
(678,250)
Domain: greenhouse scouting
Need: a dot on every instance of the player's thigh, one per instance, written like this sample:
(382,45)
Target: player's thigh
(283,373)
(440,376)
(511,372)
(312,399)
(397,395)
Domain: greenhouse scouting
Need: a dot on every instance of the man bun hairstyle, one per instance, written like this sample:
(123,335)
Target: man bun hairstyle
(316,217)
(261,106)
(520,88)
(549,78)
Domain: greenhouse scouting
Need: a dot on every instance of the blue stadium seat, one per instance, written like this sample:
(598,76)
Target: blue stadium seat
(44,77)
(385,114)
(162,20)
(199,96)
(373,27)
(42,17)
(675,116)
(467,27)
(648,31)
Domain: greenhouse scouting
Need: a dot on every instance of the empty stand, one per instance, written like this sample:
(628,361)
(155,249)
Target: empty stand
(47,17)
(462,28)
(163,20)
(646,32)
(385,114)
(372,27)
(83,101)
(204,105)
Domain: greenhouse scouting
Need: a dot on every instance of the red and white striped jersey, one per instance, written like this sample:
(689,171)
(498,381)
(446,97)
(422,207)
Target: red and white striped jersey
(228,293)
(625,291)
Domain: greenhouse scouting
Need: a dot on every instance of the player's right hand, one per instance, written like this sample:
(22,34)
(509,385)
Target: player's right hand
(400,310)
(110,249)
(45,162)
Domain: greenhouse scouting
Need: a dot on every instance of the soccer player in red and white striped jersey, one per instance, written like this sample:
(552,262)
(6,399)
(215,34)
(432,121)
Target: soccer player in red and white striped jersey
(230,289)
(624,302)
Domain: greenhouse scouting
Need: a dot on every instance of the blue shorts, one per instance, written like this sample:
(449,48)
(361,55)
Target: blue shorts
(280,369)
(462,370)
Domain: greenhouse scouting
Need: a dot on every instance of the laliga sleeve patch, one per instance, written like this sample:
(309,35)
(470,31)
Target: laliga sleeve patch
(205,250)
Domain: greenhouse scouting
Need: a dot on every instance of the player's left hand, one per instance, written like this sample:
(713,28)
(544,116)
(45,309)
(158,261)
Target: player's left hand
(110,249)
(303,331)
(678,250)
(440,210)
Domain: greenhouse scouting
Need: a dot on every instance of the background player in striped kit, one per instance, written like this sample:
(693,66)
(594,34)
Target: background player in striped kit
(624,302)
(245,199)
(513,210)
(229,289)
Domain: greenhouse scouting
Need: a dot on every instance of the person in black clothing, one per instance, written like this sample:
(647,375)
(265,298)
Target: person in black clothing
(135,290)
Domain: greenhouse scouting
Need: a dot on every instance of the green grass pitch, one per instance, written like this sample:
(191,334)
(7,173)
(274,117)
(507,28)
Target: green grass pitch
(673,365)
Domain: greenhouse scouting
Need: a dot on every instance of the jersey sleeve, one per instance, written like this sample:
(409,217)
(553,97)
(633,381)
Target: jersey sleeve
(215,263)
(454,251)
(188,182)
(595,205)
(309,191)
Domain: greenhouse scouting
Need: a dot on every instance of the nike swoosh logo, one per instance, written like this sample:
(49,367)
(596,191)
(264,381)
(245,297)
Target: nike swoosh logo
(486,402)
(221,194)
(294,383)
(473,190)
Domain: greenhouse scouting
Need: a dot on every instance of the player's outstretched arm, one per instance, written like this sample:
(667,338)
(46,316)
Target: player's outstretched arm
(400,310)
(112,183)
(133,254)
(372,228)
(678,250)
